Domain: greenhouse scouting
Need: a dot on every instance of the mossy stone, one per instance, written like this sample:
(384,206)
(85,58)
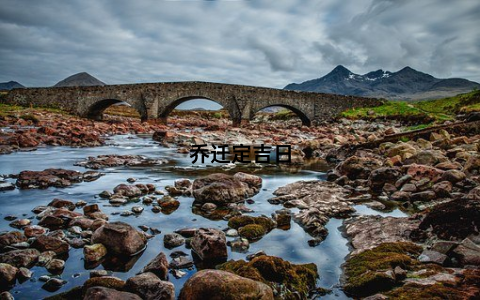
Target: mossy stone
(286,278)
(252,232)
(367,272)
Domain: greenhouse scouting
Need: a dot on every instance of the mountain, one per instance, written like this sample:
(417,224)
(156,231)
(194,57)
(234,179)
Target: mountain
(80,79)
(6,86)
(406,84)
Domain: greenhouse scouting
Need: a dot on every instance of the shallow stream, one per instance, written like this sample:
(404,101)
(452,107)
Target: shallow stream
(290,245)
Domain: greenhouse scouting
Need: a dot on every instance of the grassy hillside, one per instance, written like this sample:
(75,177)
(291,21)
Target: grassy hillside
(419,114)
(453,105)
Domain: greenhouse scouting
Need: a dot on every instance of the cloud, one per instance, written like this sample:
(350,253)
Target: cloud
(245,42)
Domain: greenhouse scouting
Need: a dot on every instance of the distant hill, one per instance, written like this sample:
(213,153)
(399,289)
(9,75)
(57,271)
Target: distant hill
(6,86)
(406,84)
(80,79)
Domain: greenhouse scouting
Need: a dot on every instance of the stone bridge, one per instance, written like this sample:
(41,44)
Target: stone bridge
(157,100)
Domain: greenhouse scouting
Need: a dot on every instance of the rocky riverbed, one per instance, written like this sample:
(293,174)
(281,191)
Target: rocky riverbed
(399,219)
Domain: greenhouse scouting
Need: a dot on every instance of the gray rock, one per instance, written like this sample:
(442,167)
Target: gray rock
(173,240)
(468,253)
(430,256)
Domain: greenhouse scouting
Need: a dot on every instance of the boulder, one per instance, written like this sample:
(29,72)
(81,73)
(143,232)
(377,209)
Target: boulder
(404,150)
(427,157)
(285,278)
(432,256)
(12,237)
(94,253)
(120,238)
(371,271)
(379,177)
(158,266)
(34,231)
(55,266)
(453,176)
(442,189)
(61,203)
(221,285)
(172,240)
(20,258)
(50,243)
(210,244)
(52,177)
(150,287)
(104,281)
(468,253)
(128,190)
(418,172)
(356,167)
(103,293)
(366,232)
(8,274)
(318,201)
(453,220)
(221,188)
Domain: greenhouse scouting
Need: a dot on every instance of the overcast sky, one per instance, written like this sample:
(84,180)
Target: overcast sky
(264,43)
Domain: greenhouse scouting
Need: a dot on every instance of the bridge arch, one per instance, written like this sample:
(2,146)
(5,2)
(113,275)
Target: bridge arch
(303,117)
(232,108)
(96,109)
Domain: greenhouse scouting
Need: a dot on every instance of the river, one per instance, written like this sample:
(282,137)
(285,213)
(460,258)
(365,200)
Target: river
(290,245)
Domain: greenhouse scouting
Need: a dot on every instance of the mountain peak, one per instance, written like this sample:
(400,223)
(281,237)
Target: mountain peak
(80,79)
(407,84)
(6,86)
(407,69)
(339,71)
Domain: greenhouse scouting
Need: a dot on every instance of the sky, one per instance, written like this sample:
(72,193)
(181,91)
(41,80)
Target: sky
(252,42)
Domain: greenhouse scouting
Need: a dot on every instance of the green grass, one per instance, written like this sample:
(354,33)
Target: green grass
(283,114)
(452,105)
(421,114)
(390,109)
(21,111)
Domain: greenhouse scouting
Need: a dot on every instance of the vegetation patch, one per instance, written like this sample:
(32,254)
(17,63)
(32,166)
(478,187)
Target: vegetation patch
(16,111)
(252,232)
(241,221)
(391,110)
(421,114)
(285,278)
(371,271)
(283,115)
(435,291)
(452,105)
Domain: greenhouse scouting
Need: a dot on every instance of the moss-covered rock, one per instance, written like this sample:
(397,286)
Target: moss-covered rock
(281,275)
(435,291)
(371,271)
(252,232)
(240,221)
